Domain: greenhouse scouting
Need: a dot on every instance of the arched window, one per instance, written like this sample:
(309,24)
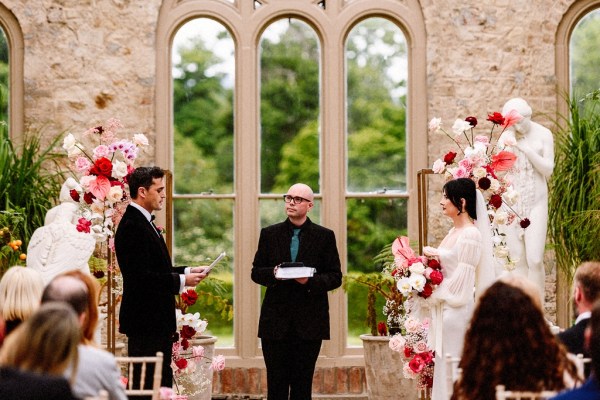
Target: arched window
(11,73)
(320,92)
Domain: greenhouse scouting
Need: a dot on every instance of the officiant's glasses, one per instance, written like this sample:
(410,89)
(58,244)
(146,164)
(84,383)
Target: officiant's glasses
(295,199)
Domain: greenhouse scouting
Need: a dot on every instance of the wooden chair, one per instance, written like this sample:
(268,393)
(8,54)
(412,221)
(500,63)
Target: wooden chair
(141,363)
(503,394)
(452,372)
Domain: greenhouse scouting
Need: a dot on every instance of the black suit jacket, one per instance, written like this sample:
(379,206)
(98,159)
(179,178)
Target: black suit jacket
(573,338)
(290,308)
(24,385)
(150,282)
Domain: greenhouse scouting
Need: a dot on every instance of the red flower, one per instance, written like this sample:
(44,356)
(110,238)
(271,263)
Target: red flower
(503,161)
(382,329)
(102,167)
(187,332)
(434,264)
(99,274)
(181,363)
(449,157)
(496,201)
(472,121)
(427,290)
(88,197)
(484,183)
(416,364)
(427,357)
(189,297)
(74,195)
(185,344)
(525,222)
(83,225)
(436,277)
(496,118)
(407,351)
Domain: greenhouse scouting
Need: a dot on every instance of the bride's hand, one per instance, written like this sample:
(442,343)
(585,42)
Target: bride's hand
(430,251)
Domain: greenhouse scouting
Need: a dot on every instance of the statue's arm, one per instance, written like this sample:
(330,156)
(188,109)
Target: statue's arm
(543,162)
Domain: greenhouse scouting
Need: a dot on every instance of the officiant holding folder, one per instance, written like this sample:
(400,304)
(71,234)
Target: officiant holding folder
(294,317)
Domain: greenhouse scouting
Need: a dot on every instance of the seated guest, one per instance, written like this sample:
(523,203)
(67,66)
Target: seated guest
(97,368)
(20,292)
(590,390)
(508,342)
(36,354)
(586,290)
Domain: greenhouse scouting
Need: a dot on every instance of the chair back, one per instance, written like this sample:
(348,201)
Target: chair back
(452,372)
(137,382)
(503,394)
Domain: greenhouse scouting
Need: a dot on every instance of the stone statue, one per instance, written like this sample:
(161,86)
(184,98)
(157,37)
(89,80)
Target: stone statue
(58,246)
(533,145)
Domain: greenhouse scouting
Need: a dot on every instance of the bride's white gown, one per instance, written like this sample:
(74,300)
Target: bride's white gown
(460,255)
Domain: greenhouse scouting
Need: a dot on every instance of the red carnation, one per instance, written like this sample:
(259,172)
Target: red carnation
(427,290)
(181,363)
(496,118)
(102,167)
(187,332)
(525,222)
(434,264)
(496,200)
(449,157)
(382,329)
(472,121)
(185,344)
(436,277)
(407,351)
(88,197)
(189,297)
(74,195)
(484,183)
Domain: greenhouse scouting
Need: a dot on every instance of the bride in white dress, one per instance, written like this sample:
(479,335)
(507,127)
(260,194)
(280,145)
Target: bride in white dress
(466,258)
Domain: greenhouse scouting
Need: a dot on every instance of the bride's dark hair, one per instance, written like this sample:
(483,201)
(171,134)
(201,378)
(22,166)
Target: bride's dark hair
(462,188)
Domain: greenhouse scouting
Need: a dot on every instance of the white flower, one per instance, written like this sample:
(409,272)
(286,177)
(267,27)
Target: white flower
(115,194)
(85,181)
(501,217)
(501,251)
(140,139)
(417,268)
(404,286)
(511,196)
(412,325)
(417,281)
(460,126)
(494,185)
(119,169)
(69,142)
(397,343)
(435,124)
(479,172)
(439,166)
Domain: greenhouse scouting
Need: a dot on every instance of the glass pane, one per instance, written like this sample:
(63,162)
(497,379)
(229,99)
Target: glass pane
(289,108)
(585,55)
(376,65)
(4,78)
(372,224)
(204,229)
(203,83)
(272,211)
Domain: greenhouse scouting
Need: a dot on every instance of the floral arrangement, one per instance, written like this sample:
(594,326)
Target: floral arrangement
(486,161)
(419,359)
(191,370)
(103,171)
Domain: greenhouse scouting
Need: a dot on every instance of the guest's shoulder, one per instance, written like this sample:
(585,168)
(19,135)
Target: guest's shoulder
(93,354)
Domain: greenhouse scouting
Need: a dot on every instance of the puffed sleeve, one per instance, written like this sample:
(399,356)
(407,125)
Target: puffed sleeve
(457,289)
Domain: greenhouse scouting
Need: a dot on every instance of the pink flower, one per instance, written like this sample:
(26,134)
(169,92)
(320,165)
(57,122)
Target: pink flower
(482,139)
(197,352)
(416,364)
(466,164)
(511,118)
(101,151)
(82,164)
(83,225)
(218,363)
(460,172)
(100,187)
(397,343)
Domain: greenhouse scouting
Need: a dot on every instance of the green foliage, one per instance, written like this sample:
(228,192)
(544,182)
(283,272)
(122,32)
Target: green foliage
(575,186)
(11,247)
(30,179)
(585,54)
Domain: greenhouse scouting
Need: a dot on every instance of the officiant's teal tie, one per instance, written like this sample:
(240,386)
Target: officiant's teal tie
(295,244)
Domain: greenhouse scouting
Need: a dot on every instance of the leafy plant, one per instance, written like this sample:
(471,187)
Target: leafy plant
(30,179)
(378,284)
(575,185)
(11,245)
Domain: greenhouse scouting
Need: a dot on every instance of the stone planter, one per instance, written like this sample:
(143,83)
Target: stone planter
(198,384)
(383,370)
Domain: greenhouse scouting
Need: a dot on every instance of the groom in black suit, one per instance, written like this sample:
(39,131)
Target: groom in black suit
(294,317)
(150,282)
(586,291)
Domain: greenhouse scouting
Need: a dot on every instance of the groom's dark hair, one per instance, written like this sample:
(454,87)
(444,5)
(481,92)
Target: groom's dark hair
(462,188)
(143,177)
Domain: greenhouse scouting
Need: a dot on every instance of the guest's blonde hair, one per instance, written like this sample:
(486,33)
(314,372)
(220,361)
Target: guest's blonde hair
(45,343)
(20,293)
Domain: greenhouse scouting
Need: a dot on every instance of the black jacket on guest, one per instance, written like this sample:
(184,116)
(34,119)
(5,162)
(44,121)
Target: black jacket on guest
(290,308)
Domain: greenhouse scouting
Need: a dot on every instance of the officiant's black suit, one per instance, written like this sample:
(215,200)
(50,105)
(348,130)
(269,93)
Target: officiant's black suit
(147,314)
(295,317)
